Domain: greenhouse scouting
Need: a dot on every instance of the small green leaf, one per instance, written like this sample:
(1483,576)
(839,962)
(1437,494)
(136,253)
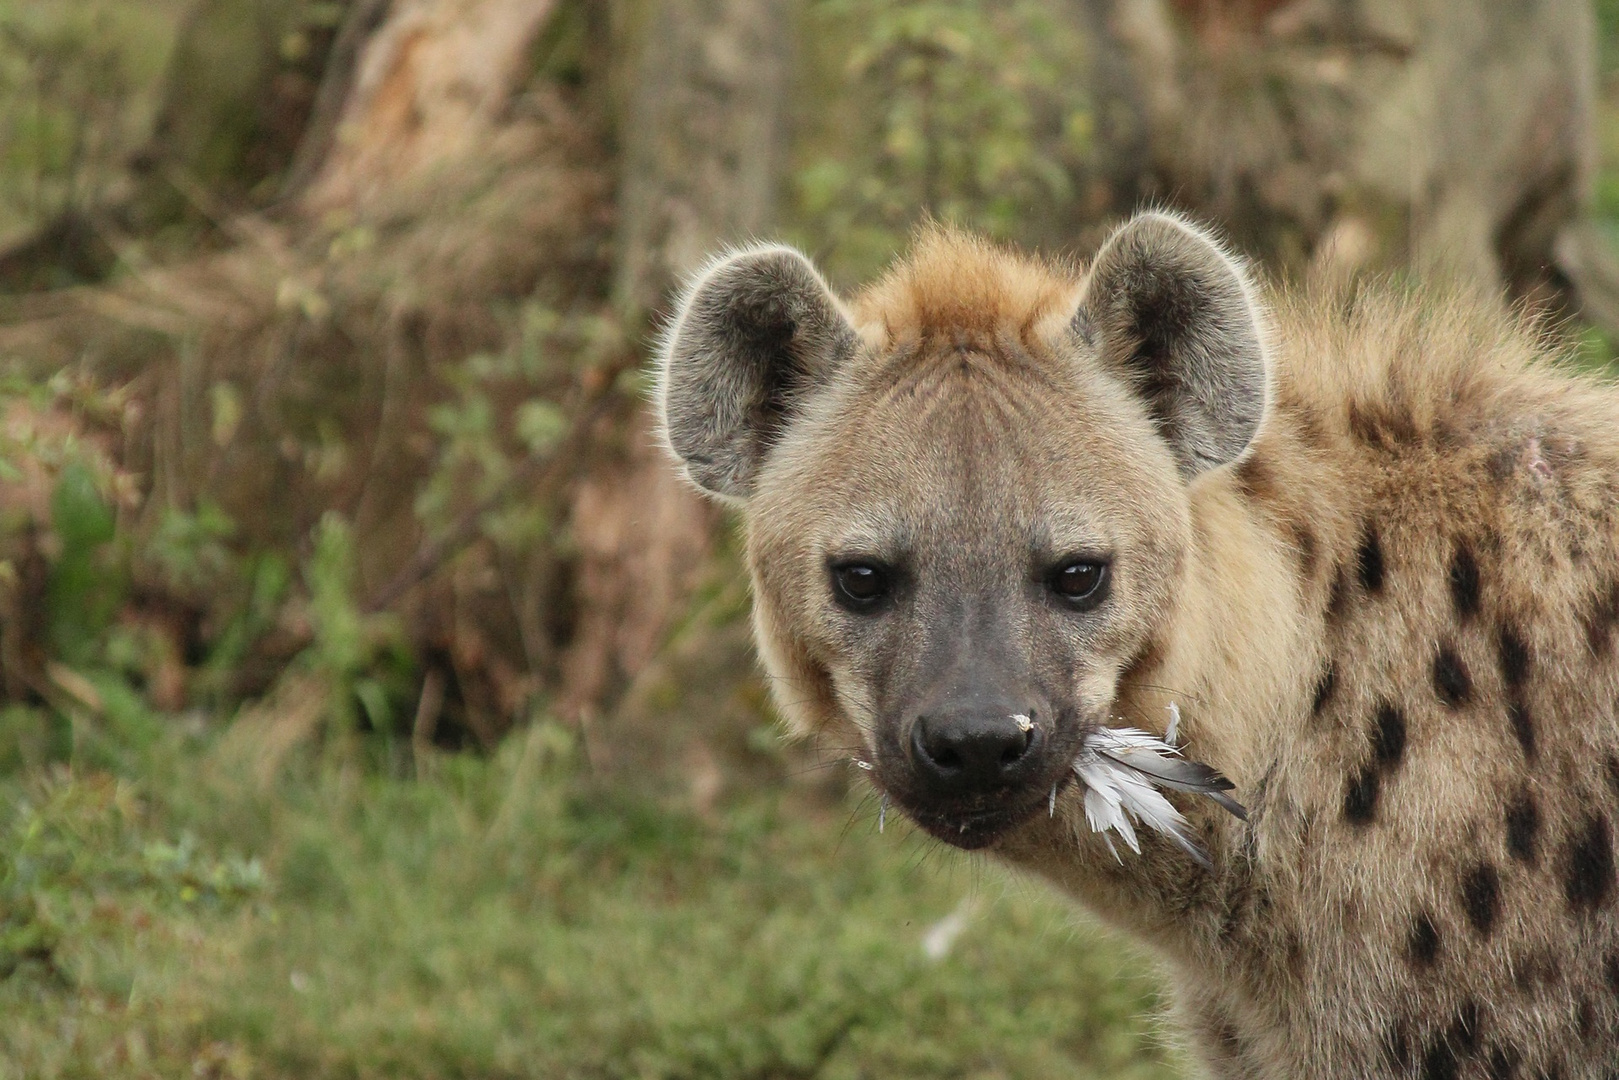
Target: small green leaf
(540,424)
(83,520)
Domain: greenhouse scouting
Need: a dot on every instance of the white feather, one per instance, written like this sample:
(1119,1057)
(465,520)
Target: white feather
(1117,794)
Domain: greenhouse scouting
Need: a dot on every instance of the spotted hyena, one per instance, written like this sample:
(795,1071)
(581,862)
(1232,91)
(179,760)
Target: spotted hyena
(1366,542)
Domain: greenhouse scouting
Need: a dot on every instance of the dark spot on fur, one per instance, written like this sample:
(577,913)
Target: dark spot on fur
(1514,656)
(1324,686)
(1338,595)
(1239,901)
(1439,1063)
(1305,421)
(1308,548)
(1523,727)
(1465,1027)
(1255,480)
(1600,617)
(1585,1016)
(1481,897)
(1360,800)
(1450,678)
(1588,878)
(1523,828)
(1612,765)
(1397,1045)
(1369,562)
(1293,945)
(1230,1040)
(1502,1063)
(1388,735)
(1454,1045)
(1423,940)
(1404,425)
(1464,583)
(1500,464)
(1363,425)
(1610,972)
(1379,425)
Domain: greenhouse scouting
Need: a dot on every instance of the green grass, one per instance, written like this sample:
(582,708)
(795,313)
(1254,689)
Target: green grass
(508,918)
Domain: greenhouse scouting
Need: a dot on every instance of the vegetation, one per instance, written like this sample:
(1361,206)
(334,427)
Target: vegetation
(229,846)
(979,112)
(293,779)
(189,915)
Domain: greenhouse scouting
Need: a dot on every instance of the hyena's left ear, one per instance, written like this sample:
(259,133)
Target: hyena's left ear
(756,331)
(1178,318)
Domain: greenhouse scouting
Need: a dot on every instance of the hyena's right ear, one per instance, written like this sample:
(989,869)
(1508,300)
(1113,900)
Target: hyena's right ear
(1178,317)
(756,330)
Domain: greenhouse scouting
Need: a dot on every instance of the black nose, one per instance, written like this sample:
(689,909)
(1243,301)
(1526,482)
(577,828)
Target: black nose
(972,750)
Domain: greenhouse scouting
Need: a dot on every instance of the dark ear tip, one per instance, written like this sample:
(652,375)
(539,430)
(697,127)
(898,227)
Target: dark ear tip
(1160,223)
(758,289)
(772,264)
(1166,223)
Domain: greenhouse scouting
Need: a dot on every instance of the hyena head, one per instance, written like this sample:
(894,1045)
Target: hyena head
(966,494)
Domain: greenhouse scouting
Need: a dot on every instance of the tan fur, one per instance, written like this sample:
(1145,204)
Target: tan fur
(1435,424)
(958,286)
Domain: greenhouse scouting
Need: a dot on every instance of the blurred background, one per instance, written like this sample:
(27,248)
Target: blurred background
(374,701)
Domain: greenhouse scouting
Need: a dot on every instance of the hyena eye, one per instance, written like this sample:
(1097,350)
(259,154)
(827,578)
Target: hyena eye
(1081,583)
(859,586)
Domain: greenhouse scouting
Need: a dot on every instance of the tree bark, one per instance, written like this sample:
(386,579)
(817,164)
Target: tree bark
(703,147)
(429,88)
(1457,137)
(705,139)
(362,20)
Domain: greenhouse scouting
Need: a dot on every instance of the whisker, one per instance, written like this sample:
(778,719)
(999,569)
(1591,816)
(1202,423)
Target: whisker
(1187,694)
(843,834)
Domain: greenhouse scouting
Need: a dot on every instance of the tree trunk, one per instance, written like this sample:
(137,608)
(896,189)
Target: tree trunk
(703,148)
(428,89)
(705,139)
(1457,137)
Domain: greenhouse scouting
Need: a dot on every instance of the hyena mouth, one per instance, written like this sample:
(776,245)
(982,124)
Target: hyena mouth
(972,829)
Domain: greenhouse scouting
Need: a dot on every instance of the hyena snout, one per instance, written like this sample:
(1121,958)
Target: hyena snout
(974,748)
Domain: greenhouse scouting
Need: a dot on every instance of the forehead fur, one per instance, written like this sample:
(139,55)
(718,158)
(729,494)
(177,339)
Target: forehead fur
(955,284)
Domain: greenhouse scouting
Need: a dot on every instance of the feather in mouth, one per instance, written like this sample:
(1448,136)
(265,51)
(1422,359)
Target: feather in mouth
(1122,770)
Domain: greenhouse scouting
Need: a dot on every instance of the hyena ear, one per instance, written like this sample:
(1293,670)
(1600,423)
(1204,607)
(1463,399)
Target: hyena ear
(1179,319)
(757,330)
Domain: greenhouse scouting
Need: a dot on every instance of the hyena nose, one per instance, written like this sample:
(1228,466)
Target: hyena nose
(959,752)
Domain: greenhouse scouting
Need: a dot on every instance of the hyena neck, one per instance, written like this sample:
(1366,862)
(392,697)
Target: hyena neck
(1253,596)
(1221,661)
(1251,604)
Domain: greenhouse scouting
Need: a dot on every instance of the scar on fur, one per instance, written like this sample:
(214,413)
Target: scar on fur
(1535,459)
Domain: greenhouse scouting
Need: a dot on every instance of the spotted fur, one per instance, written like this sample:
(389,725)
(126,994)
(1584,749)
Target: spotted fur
(1388,615)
